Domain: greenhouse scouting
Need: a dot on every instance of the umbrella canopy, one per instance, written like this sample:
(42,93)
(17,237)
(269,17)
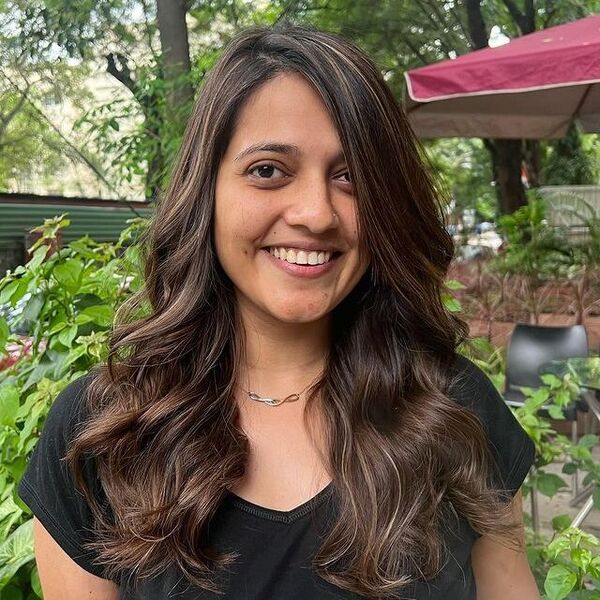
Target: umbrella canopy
(532,87)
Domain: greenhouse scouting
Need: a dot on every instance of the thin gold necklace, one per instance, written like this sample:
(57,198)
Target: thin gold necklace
(277,401)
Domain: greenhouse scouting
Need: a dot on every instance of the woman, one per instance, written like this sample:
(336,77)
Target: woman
(290,419)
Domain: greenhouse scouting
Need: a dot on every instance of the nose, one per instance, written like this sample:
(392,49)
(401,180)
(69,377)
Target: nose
(311,206)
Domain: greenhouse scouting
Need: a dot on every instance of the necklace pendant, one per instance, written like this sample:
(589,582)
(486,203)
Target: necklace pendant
(273,401)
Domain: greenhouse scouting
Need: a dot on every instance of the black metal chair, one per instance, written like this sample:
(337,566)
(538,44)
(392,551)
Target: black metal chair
(529,347)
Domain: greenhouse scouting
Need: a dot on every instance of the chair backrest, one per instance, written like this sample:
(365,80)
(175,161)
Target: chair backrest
(532,345)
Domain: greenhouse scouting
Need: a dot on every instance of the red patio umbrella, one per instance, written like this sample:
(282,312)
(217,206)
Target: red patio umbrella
(532,87)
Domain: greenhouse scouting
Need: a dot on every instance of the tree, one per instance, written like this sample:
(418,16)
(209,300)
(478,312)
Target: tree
(402,35)
(123,34)
(30,141)
(568,162)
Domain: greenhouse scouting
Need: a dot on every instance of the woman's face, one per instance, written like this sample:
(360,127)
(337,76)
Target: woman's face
(279,184)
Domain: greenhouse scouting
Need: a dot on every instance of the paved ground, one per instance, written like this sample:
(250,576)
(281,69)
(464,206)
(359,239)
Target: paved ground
(559,504)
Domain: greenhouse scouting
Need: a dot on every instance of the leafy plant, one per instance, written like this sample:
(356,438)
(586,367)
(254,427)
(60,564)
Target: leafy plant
(533,256)
(72,294)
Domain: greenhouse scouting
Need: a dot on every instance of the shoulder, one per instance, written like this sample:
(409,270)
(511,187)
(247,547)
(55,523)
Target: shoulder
(512,449)
(471,387)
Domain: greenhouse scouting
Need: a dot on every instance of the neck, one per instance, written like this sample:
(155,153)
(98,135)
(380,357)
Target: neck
(281,358)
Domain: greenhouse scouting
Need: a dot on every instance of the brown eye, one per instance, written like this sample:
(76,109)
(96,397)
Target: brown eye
(264,171)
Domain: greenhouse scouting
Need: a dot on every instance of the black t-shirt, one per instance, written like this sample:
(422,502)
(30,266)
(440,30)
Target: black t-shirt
(275,547)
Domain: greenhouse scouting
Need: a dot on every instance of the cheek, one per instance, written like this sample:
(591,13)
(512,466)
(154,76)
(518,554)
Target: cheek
(238,227)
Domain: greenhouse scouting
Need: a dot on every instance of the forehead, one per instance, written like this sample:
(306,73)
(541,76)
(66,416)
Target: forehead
(286,109)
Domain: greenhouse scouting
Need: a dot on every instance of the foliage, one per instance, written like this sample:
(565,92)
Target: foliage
(534,254)
(31,146)
(567,566)
(464,166)
(568,163)
(582,273)
(72,296)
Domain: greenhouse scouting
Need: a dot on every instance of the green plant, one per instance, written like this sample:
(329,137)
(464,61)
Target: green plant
(72,297)
(566,566)
(533,256)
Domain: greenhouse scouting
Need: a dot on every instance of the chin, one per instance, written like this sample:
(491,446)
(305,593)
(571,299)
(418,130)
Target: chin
(299,314)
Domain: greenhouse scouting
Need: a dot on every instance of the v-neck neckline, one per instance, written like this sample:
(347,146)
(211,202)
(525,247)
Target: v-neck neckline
(282,516)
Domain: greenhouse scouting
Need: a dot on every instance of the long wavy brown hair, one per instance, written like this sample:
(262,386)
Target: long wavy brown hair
(163,425)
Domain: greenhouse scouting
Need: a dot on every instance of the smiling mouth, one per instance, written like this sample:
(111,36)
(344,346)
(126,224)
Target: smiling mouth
(308,258)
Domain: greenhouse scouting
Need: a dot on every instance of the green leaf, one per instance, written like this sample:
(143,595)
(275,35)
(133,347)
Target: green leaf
(36,586)
(67,335)
(102,314)
(551,380)
(562,397)
(540,395)
(549,483)
(569,468)
(68,274)
(9,513)
(454,284)
(556,412)
(559,582)
(4,334)
(38,257)
(561,522)
(9,404)
(581,557)
(589,440)
(11,592)
(33,308)
(451,303)
(15,551)
(533,556)
(7,292)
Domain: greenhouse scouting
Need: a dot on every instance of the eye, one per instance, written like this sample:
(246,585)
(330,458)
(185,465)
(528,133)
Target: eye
(346,174)
(265,171)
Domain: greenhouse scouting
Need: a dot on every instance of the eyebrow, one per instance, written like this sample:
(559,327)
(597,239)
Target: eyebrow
(290,149)
(268,147)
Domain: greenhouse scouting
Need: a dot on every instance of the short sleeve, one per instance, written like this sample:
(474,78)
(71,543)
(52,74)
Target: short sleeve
(47,486)
(512,450)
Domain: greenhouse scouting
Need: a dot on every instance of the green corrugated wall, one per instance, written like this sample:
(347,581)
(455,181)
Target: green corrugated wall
(102,224)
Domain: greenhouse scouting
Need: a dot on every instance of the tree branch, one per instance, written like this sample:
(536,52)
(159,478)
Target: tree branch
(447,48)
(6,119)
(72,146)
(123,74)
(477,28)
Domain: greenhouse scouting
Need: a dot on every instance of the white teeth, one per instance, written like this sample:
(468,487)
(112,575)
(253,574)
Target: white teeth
(301,257)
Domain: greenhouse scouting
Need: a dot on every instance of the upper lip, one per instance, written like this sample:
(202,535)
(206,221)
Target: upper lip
(305,245)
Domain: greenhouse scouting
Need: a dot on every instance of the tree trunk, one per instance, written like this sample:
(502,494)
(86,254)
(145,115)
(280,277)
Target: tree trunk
(506,159)
(507,155)
(175,53)
(533,158)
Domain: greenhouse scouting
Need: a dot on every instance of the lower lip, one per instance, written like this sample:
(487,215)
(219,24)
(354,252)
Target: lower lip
(308,271)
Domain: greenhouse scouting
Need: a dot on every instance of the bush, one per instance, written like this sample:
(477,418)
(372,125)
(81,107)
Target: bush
(70,300)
